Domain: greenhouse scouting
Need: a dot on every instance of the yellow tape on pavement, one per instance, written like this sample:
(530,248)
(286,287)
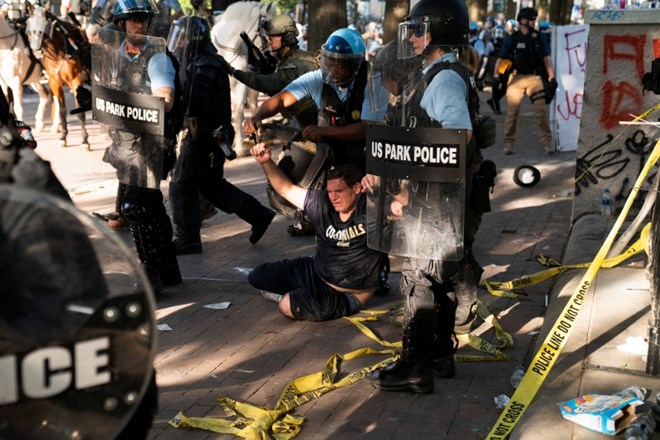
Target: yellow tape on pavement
(560,332)
(499,288)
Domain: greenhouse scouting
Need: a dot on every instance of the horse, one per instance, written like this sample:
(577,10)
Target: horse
(225,35)
(48,36)
(18,67)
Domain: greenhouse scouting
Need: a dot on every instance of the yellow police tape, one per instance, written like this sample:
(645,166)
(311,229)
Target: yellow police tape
(500,288)
(260,423)
(554,343)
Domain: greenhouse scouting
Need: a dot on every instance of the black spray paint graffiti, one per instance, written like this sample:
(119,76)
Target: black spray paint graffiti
(605,162)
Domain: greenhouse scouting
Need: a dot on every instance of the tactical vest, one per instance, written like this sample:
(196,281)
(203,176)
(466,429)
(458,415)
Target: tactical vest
(416,116)
(337,113)
(137,75)
(527,57)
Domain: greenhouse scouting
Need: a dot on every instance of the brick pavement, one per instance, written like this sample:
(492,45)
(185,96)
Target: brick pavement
(249,352)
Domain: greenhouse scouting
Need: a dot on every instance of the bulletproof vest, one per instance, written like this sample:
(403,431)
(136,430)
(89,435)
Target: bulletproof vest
(417,116)
(337,113)
(137,75)
(527,58)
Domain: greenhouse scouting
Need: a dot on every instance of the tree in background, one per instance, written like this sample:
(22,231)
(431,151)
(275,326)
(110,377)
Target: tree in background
(324,17)
(395,12)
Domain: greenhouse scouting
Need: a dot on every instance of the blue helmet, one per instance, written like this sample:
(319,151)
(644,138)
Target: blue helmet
(341,56)
(125,9)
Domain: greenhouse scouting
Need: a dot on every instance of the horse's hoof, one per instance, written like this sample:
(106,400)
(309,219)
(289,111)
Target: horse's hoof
(86,146)
(62,143)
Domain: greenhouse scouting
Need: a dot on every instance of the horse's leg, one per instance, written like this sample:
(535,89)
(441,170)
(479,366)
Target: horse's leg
(238,101)
(17,93)
(74,83)
(60,113)
(85,137)
(41,107)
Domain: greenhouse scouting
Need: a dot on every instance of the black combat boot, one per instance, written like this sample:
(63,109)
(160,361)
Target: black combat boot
(444,344)
(412,373)
(256,215)
(466,284)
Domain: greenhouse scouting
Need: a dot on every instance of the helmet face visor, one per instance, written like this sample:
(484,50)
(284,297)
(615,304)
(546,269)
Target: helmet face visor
(413,37)
(339,69)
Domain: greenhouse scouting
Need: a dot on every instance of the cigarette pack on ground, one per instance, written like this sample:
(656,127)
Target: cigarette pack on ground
(601,413)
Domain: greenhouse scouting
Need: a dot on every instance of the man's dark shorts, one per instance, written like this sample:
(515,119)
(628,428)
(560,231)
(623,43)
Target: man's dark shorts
(311,298)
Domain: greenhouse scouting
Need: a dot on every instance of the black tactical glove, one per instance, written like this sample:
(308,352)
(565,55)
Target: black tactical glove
(550,88)
(225,66)
(84,99)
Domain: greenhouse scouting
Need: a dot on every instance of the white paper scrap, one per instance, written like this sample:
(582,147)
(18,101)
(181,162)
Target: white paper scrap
(218,306)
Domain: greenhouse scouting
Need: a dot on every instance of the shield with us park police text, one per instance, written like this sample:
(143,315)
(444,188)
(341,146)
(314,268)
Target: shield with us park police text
(416,191)
(130,77)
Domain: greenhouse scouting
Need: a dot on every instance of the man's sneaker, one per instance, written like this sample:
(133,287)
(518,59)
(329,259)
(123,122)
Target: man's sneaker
(508,151)
(270,296)
(187,248)
(301,228)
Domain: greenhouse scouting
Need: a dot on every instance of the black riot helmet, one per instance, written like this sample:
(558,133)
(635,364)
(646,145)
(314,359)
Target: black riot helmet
(447,22)
(527,13)
(189,31)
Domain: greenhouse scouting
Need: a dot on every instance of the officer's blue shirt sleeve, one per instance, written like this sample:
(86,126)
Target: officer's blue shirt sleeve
(307,85)
(310,85)
(161,71)
(445,99)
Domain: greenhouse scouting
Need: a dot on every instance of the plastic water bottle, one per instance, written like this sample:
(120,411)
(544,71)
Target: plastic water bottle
(641,428)
(501,401)
(517,376)
(633,391)
(606,203)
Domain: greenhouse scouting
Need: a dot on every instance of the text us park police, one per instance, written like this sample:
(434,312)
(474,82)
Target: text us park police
(427,154)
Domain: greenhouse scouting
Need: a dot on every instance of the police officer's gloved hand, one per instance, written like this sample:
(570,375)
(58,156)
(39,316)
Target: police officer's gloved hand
(225,66)
(84,99)
(553,84)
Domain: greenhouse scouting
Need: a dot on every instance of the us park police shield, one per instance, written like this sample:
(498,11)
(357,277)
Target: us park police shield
(122,99)
(77,335)
(416,193)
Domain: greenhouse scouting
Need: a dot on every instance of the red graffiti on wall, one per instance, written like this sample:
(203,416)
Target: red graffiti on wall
(614,48)
(622,99)
(568,106)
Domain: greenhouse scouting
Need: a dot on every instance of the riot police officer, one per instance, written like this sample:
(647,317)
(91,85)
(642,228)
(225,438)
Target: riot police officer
(202,157)
(292,62)
(434,243)
(143,159)
(64,293)
(339,89)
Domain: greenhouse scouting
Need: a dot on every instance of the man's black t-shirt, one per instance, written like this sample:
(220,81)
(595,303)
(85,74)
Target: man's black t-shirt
(342,256)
